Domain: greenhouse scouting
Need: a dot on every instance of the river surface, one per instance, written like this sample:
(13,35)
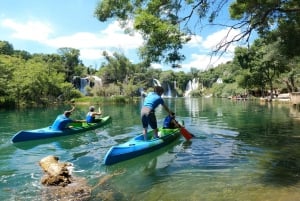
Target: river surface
(242,150)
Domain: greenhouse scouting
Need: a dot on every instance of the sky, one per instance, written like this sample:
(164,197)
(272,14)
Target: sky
(44,26)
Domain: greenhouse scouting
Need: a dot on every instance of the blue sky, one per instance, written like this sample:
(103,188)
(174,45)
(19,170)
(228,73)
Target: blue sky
(44,26)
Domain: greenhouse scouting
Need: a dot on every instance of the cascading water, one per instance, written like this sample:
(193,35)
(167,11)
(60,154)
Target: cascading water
(191,85)
(156,82)
(86,81)
(169,91)
(83,83)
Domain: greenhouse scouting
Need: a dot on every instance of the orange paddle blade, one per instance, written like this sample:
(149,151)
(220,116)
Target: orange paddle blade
(185,133)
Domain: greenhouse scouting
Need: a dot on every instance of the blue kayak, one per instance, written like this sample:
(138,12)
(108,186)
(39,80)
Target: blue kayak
(47,132)
(138,146)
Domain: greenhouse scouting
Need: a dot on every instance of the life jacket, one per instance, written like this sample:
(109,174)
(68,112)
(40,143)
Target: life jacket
(90,118)
(168,122)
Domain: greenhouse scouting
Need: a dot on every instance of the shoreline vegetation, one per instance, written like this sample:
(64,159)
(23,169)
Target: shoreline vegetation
(99,100)
(125,99)
(291,99)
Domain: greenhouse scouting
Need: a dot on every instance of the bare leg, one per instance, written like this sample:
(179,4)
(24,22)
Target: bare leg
(156,133)
(145,134)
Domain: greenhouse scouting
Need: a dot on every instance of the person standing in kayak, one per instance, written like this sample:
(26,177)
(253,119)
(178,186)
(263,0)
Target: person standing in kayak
(151,102)
(63,120)
(91,115)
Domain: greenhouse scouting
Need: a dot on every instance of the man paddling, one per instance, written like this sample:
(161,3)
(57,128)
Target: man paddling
(61,122)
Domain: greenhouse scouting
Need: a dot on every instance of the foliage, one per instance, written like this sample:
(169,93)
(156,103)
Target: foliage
(119,99)
(6,48)
(70,59)
(291,78)
(217,90)
(6,75)
(130,89)
(33,79)
(265,15)
(264,61)
(117,69)
(162,23)
(195,93)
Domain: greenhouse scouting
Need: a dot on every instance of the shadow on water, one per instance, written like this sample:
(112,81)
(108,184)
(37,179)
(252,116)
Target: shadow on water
(283,168)
(276,138)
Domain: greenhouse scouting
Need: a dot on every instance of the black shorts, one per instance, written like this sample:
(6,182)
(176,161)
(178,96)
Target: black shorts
(148,118)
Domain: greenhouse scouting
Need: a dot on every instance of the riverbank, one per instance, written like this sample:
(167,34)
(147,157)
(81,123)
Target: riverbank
(98,100)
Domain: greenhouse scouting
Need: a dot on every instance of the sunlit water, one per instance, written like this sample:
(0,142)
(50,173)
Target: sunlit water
(242,151)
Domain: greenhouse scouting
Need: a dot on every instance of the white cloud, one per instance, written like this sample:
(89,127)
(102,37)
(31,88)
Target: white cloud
(220,37)
(90,54)
(90,44)
(156,66)
(203,61)
(77,40)
(113,38)
(200,56)
(195,41)
(31,30)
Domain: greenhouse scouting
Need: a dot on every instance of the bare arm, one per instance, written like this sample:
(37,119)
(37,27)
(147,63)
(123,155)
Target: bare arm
(73,108)
(96,113)
(79,121)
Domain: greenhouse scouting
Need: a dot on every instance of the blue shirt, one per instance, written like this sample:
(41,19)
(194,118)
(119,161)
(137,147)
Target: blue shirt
(153,100)
(167,121)
(90,118)
(61,122)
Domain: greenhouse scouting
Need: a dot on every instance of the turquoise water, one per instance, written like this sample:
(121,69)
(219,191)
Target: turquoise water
(242,151)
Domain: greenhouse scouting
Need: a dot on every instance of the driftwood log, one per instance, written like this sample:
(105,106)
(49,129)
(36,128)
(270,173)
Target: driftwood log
(59,182)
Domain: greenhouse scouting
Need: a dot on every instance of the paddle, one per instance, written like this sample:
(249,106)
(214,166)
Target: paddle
(184,132)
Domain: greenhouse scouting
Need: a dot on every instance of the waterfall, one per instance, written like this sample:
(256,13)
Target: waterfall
(90,81)
(169,91)
(156,82)
(83,83)
(191,85)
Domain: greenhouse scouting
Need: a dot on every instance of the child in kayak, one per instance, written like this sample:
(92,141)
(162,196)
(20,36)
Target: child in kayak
(91,115)
(152,101)
(170,122)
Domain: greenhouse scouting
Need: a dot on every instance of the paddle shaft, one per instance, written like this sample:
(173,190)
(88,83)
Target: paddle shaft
(186,134)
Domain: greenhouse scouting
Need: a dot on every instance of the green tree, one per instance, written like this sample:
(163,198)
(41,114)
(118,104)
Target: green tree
(118,68)
(22,54)
(264,61)
(32,82)
(160,23)
(6,48)
(7,67)
(70,58)
(265,16)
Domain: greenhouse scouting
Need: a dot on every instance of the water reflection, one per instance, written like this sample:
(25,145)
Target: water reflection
(192,105)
